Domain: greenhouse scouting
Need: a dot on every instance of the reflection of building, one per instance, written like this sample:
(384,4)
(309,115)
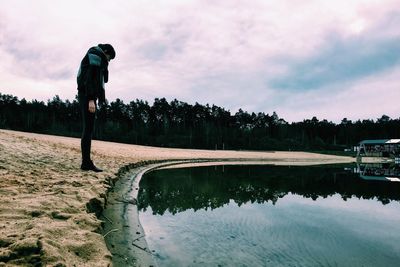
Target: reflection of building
(379,148)
(382,172)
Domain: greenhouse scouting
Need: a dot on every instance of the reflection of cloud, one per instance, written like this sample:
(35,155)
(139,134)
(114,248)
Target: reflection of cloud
(230,53)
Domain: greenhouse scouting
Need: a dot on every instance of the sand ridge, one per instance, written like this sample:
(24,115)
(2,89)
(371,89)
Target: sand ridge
(49,208)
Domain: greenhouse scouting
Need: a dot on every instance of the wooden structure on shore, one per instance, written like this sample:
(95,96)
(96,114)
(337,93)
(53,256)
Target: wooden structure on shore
(386,148)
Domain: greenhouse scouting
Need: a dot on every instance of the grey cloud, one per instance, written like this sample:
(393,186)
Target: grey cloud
(153,50)
(342,60)
(35,61)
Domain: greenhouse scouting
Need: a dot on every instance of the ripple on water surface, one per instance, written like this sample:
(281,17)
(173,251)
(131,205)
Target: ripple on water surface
(209,221)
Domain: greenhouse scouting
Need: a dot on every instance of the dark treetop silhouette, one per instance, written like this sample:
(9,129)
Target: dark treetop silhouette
(179,124)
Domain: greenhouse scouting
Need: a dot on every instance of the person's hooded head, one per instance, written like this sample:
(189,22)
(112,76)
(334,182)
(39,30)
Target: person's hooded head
(108,50)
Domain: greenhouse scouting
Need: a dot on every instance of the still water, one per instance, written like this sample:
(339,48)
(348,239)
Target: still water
(270,216)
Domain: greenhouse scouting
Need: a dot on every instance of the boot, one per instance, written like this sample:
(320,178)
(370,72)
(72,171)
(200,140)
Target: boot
(89,166)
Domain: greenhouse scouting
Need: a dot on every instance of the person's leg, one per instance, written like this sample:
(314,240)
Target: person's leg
(87,130)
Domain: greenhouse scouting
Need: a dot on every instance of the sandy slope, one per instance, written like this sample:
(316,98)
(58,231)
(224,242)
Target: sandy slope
(45,200)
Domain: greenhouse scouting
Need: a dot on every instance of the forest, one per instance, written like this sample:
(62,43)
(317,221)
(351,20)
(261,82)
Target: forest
(182,125)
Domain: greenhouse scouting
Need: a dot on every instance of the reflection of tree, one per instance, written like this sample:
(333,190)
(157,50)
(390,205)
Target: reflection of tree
(177,190)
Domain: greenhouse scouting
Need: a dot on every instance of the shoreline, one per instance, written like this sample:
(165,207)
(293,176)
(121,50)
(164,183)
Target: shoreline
(122,230)
(50,211)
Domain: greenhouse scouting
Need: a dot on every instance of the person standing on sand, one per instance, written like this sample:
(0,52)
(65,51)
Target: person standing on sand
(92,74)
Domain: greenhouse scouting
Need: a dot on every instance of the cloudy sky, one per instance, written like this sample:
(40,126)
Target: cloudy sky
(300,58)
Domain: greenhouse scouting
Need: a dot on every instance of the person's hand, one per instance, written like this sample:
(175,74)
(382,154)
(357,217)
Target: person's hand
(92,106)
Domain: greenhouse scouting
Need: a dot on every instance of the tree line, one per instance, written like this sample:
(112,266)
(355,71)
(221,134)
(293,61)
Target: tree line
(179,124)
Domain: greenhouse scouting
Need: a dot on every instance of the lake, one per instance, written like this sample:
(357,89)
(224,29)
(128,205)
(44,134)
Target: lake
(265,215)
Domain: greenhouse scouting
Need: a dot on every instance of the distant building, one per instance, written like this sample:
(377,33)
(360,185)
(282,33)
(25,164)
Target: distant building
(379,148)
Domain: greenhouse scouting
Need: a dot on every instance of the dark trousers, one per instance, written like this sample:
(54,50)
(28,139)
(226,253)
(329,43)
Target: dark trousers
(87,128)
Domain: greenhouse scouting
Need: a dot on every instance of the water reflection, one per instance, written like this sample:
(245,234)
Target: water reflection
(379,171)
(177,190)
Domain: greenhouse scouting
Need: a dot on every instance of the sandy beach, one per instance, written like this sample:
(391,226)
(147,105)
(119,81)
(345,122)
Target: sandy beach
(50,209)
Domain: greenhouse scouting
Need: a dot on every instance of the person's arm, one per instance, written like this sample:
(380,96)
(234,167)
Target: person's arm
(93,76)
(102,95)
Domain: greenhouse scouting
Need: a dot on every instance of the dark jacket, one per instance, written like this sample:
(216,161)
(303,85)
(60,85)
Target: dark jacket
(92,74)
